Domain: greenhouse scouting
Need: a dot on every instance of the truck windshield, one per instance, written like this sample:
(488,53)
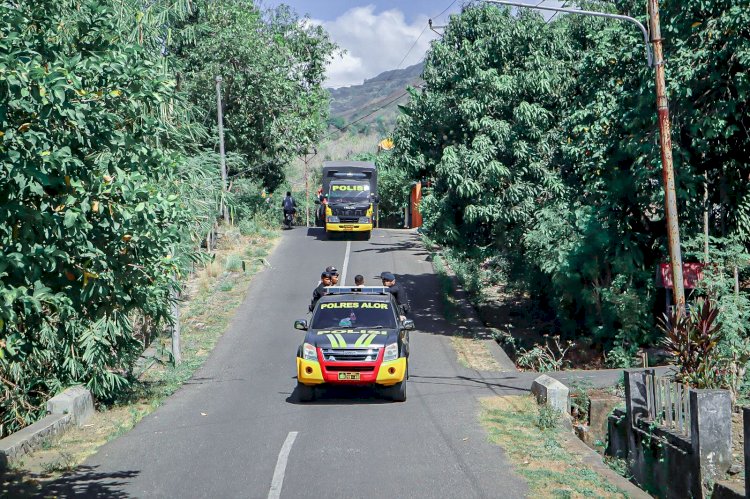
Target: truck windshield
(349,193)
(354,314)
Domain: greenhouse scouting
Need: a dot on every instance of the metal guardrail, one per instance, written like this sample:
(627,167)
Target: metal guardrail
(668,404)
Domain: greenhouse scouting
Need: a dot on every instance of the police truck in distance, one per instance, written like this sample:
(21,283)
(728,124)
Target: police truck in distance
(352,191)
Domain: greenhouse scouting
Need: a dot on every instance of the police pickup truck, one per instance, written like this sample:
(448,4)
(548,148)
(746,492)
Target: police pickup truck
(354,337)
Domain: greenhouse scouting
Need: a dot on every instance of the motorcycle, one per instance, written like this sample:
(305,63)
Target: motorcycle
(288,220)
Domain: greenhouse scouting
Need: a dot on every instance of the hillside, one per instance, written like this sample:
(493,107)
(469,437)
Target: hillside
(358,101)
(349,104)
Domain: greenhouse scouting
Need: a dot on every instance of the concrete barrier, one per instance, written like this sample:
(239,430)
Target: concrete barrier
(550,391)
(72,407)
(76,401)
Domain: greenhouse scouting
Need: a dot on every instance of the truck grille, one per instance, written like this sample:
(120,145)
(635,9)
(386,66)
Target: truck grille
(359,369)
(350,213)
(350,354)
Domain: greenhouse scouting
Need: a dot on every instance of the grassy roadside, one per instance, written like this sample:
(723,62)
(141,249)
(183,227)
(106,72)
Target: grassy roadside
(211,298)
(535,447)
(471,350)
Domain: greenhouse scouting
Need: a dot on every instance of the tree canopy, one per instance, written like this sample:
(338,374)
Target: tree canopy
(541,143)
(109,174)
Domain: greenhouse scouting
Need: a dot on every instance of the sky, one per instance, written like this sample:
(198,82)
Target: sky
(377,35)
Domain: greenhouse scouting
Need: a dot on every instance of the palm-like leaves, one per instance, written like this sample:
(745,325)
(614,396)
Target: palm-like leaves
(691,339)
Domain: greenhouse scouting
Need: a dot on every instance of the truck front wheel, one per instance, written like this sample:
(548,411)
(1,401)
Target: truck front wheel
(397,392)
(305,393)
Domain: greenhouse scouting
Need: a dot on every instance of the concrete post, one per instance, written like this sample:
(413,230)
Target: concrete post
(176,348)
(550,391)
(711,432)
(635,394)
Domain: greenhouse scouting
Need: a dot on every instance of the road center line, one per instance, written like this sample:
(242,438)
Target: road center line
(278,473)
(346,263)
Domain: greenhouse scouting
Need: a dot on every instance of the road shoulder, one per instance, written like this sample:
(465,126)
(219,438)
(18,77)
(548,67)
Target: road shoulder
(546,455)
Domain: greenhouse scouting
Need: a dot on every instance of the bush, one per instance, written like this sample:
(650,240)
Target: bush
(547,357)
(233,263)
(548,417)
(692,339)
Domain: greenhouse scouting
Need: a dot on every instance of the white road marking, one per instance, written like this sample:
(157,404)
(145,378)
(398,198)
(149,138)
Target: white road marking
(346,263)
(278,473)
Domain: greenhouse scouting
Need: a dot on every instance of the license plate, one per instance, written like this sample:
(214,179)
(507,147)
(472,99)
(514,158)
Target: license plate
(348,376)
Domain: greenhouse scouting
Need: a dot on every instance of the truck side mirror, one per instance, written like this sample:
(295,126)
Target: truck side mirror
(300,324)
(408,324)
(375,198)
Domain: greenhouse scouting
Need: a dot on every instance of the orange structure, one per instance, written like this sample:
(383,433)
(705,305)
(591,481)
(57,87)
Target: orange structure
(414,216)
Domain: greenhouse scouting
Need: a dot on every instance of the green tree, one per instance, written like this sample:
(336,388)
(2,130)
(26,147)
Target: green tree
(541,141)
(88,229)
(273,67)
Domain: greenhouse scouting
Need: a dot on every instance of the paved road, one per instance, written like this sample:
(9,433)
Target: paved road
(349,443)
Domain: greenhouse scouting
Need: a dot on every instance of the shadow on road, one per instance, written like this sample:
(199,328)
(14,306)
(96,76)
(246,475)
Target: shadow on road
(84,482)
(342,395)
(412,245)
(318,233)
(521,384)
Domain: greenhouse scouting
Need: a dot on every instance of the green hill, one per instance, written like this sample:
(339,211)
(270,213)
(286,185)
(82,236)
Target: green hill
(362,103)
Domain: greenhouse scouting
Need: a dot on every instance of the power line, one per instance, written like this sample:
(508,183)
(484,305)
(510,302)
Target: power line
(408,52)
(341,129)
(444,10)
(403,59)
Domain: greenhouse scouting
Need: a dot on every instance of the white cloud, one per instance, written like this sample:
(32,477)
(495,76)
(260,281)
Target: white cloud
(374,42)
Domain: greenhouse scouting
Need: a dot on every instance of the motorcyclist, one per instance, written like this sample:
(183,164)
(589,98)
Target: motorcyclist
(389,281)
(289,205)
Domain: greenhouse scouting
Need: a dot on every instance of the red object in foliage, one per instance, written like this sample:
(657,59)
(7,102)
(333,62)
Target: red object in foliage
(415,199)
(692,273)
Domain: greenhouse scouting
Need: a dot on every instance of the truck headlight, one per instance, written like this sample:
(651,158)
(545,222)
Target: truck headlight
(391,352)
(332,220)
(364,220)
(308,352)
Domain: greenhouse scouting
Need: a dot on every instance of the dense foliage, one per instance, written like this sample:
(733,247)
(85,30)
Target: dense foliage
(541,142)
(109,179)
(273,68)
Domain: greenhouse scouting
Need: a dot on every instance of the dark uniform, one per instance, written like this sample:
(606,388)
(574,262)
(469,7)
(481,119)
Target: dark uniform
(398,292)
(319,291)
(401,299)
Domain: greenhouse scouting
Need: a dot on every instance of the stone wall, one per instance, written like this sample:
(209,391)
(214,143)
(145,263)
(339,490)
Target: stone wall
(666,463)
(72,407)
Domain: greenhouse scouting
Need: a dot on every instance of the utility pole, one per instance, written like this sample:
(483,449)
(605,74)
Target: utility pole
(220,118)
(176,351)
(665,140)
(307,195)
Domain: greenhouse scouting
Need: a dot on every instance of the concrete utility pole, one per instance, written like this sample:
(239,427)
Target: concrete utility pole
(307,193)
(665,140)
(220,118)
(176,350)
